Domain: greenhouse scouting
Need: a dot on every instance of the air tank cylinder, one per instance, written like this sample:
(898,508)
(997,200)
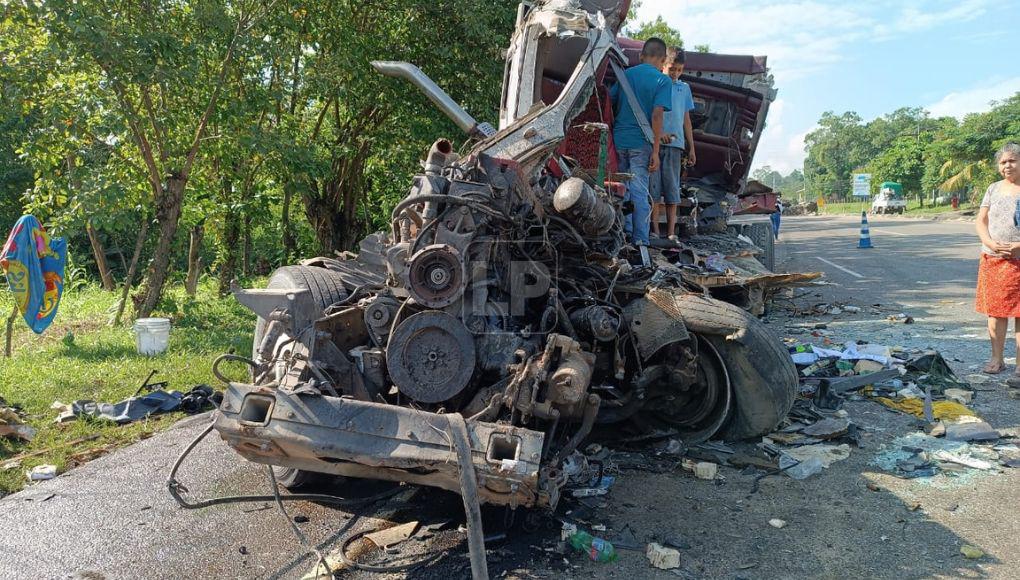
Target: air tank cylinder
(583,207)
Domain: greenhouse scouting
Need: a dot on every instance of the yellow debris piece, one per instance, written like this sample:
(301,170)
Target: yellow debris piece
(971,552)
(940,409)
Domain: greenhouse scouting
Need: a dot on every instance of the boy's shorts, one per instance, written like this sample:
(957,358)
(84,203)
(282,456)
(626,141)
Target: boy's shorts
(664,184)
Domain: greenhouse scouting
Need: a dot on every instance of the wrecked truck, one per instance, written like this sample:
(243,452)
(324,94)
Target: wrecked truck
(502,320)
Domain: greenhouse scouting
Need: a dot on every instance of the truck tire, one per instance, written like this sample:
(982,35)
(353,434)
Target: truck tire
(762,374)
(325,286)
(763,237)
(327,289)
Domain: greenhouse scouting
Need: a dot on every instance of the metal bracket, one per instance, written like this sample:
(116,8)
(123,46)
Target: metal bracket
(271,304)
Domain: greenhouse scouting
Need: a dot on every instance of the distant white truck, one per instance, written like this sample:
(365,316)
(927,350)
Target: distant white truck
(889,199)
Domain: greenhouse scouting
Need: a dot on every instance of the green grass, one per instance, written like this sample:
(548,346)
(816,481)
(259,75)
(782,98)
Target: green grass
(913,208)
(82,357)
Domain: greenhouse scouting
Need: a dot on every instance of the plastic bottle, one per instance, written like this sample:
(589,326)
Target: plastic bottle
(805,469)
(598,550)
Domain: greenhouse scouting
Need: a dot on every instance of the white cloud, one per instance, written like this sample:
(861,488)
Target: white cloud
(920,16)
(780,150)
(798,37)
(975,100)
(801,37)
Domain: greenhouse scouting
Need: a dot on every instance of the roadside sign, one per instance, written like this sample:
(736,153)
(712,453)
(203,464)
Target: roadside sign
(862,184)
(820,201)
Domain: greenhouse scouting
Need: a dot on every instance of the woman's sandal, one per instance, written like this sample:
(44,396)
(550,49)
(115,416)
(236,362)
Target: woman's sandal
(993,368)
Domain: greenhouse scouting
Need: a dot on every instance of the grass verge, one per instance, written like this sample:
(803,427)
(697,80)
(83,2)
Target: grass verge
(82,357)
(914,209)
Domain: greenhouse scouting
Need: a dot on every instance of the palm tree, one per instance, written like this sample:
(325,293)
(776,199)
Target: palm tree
(958,174)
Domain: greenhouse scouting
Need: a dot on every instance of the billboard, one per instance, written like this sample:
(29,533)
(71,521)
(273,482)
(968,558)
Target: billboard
(862,185)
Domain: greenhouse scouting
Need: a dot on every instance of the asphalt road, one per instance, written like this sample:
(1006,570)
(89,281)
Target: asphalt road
(853,520)
(113,518)
(928,267)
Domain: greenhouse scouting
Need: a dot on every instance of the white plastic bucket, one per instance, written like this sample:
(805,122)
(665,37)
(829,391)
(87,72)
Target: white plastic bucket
(152,335)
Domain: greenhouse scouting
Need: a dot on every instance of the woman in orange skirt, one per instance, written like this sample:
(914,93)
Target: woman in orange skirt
(998,286)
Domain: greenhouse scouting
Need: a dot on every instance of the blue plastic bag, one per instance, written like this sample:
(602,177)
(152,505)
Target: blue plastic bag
(34,263)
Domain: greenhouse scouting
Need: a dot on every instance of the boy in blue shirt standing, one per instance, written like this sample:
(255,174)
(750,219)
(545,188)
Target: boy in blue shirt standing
(637,153)
(677,142)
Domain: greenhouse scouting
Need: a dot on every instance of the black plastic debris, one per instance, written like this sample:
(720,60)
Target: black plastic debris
(136,408)
(677,541)
(626,540)
(200,398)
(936,371)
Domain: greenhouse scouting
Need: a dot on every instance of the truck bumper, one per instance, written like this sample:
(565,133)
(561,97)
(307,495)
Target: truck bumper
(387,442)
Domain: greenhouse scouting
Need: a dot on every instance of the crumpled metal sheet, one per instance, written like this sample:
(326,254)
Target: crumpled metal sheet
(655,321)
(562,17)
(11,424)
(665,299)
(746,271)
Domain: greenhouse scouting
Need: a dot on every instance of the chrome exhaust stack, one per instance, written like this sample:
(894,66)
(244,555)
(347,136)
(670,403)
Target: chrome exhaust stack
(438,96)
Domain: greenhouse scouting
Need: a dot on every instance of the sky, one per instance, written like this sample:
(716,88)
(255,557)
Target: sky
(951,57)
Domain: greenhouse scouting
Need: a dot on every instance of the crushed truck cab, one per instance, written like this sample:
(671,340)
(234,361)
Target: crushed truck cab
(503,319)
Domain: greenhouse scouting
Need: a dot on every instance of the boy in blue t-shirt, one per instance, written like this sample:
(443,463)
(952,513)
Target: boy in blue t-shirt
(635,154)
(677,143)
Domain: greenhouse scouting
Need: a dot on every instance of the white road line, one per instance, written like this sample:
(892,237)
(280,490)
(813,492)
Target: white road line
(885,231)
(834,265)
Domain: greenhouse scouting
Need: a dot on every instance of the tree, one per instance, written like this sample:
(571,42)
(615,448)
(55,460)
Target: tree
(908,146)
(19,45)
(903,162)
(936,151)
(349,137)
(794,182)
(767,176)
(788,184)
(232,120)
(903,122)
(845,144)
(834,151)
(70,185)
(632,10)
(969,151)
(659,28)
(160,67)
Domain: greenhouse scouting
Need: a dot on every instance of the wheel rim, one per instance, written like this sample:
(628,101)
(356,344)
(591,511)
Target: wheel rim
(702,411)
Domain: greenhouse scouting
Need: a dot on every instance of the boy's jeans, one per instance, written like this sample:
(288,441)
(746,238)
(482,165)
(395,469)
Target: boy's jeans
(635,162)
